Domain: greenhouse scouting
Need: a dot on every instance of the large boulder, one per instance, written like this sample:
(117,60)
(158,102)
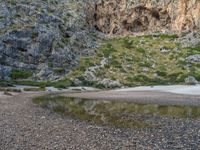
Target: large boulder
(108,83)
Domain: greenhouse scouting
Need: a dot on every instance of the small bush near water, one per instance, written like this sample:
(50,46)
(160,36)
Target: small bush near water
(64,83)
(20,74)
(10,90)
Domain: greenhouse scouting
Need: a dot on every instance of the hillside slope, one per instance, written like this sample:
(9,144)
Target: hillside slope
(95,42)
(141,60)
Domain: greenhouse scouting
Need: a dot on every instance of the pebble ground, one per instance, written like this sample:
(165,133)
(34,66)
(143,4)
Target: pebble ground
(26,126)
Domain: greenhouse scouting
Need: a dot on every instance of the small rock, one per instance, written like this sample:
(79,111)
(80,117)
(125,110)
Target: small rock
(77,82)
(145,69)
(191,80)
(109,83)
(164,49)
(193,58)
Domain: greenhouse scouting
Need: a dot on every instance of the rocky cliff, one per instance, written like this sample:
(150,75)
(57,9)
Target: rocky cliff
(42,37)
(128,16)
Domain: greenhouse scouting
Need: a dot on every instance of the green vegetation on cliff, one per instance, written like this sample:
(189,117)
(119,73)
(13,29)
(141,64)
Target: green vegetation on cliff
(142,60)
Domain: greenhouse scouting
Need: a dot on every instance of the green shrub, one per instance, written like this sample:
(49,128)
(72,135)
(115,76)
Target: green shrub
(161,73)
(20,74)
(177,77)
(64,83)
(10,90)
(86,82)
(108,50)
(50,64)
(33,89)
(115,63)
(34,35)
(5,83)
(128,43)
(168,36)
(59,70)
(32,83)
(141,50)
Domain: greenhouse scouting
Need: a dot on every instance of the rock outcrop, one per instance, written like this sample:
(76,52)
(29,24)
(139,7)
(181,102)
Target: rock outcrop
(128,16)
(44,37)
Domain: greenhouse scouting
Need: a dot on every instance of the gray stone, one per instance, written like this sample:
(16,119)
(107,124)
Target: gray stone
(164,49)
(4,12)
(190,80)
(194,58)
(77,82)
(5,72)
(145,69)
(109,83)
(189,40)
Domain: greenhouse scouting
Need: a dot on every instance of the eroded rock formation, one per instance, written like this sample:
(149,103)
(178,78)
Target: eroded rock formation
(125,16)
(44,37)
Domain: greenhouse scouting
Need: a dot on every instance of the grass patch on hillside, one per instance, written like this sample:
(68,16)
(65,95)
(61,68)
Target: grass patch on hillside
(33,89)
(31,83)
(10,90)
(63,83)
(142,60)
(59,70)
(20,74)
(115,113)
(5,84)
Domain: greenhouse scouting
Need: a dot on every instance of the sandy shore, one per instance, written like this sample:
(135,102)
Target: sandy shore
(178,89)
(151,97)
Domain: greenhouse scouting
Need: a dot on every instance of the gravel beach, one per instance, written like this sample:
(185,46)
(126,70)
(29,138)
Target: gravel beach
(26,126)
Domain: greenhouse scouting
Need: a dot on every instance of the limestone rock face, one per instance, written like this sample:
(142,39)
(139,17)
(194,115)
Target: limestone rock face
(42,36)
(128,16)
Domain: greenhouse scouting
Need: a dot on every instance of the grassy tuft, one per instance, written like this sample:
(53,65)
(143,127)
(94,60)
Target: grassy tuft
(20,74)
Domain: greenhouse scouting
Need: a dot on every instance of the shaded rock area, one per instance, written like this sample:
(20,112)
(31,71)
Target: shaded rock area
(44,37)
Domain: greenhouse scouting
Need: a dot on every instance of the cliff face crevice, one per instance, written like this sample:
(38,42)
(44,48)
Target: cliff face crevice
(128,16)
